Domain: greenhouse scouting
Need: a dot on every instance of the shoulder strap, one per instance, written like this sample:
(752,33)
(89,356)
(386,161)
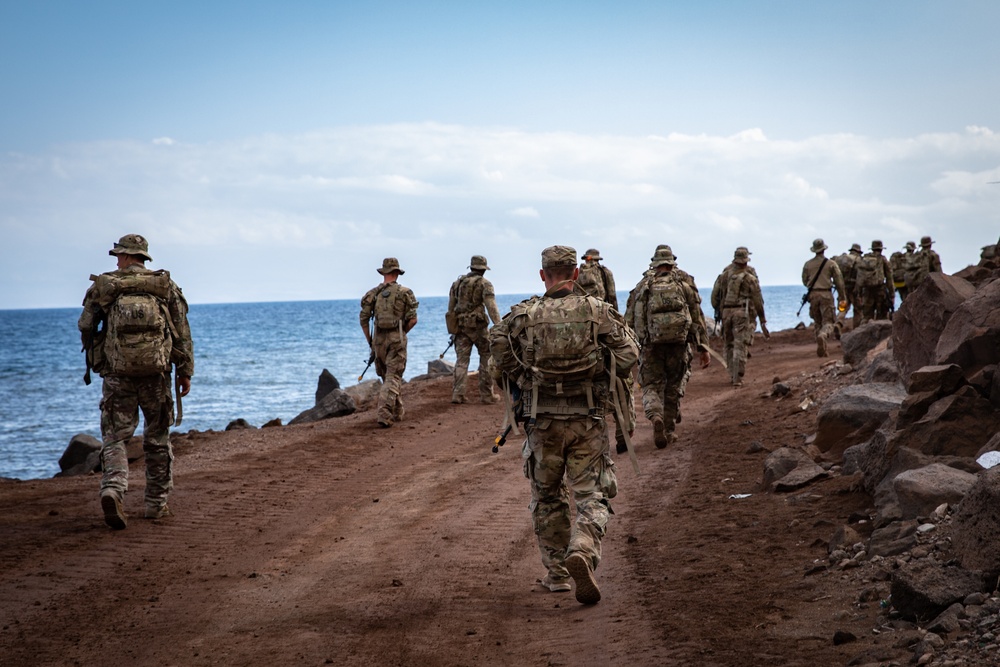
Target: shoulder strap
(812,283)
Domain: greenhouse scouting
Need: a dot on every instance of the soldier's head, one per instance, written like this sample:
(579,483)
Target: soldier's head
(131,249)
(663,261)
(877,247)
(910,246)
(856,248)
(478,264)
(558,264)
(925,242)
(390,269)
(818,246)
(742,256)
(592,255)
(659,249)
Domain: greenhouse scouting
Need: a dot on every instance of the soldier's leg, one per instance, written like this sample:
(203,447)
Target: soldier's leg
(486,384)
(463,352)
(389,403)
(727,332)
(652,379)
(585,460)
(544,467)
(157,406)
(676,366)
(741,338)
(119,419)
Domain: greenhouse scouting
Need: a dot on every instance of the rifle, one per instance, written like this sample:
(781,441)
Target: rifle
(515,403)
(371,360)
(451,341)
(502,438)
(177,393)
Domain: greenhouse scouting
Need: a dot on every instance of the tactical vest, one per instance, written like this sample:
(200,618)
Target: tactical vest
(388,308)
(667,316)
(591,280)
(870,270)
(138,335)
(469,308)
(737,294)
(916,268)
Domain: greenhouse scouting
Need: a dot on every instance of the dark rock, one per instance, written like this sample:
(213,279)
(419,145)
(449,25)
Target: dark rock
(780,389)
(799,477)
(947,621)
(893,539)
(337,403)
(922,590)
(80,447)
(921,490)
(365,393)
(782,462)
(843,637)
(271,424)
(971,338)
(976,525)
(327,383)
(852,414)
(983,380)
(440,367)
(882,368)
(914,407)
(89,465)
(941,379)
(858,343)
(922,317)
(843,538)
(957,425)
(239,424)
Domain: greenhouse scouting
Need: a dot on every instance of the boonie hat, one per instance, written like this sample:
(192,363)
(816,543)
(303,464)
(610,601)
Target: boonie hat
(856,247)
(910,245)
(593,253)
(390,264)
(558,255)
(742,255)
(663,258)
(926,242)
(132,244)
(818,245)
(660,248)
(876,245)
(478,262)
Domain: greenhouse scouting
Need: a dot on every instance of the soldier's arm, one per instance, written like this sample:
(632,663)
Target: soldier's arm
(178,307)
(366,315)
(452,296)
(90,316)
(838,281)
(935,263)
(619,341)
(410,316)
(889,279)
(698,327)
(718,293)
(489,300)
(610,295)
(806,274)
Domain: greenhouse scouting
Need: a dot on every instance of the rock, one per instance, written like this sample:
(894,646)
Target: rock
(239,424)
(942,379)
(337,403)
(976,525)
(852,414)
(365,393)
(922,590)
(780,389)
(957,425)
(922,317)
(992,445)
(799,477)
(893,539)
(914,407)
(862,340)
(971,338)
(272,423)
(922,490)
(783,461)
(327,383)
(882,369)
(843,537)
(80,447)
(440,367)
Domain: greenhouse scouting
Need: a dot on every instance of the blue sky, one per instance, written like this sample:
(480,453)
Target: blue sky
(274,151)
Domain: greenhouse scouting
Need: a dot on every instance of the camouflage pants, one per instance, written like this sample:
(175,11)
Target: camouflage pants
(465,340)
(737,329)
(122,399)
(577,450)
(662,374)
(823,313)
(874,304)
(390,364)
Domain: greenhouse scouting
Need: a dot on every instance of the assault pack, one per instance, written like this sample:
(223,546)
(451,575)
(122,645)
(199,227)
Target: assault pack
(870,270)
(847,263)
(137,336)
(388,308)
(469,310)
(666,317)
(591,280)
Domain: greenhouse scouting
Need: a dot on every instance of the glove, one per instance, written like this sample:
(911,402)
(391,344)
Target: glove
(763,328)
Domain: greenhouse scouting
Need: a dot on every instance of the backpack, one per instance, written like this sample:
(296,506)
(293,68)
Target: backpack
(468,302)
(847,265)
(388,307)
(870,270)
(667,316)
(734,289)
(914,269)
(138,333)
(591,280)
(562,355)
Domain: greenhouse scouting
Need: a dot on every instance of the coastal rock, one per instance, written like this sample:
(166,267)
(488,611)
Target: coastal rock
(852,414)
(364,393)
(337,403)
(971,338)
(327,383)
(787,468)
(921,490)
(941,379)
(921,318)
(859,342)
(957,425)
(239,424)
(922,590)
(81,446)
(882,368)
(976,525)
(440,367)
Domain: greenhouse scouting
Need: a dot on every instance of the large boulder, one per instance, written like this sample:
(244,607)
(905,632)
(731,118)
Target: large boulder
(852,414)
(971,338)
(81,457)
(882,368)
(922,590)
(787,468)
(921,490)
(859,342)
(327,383)
(976,525)
(365,393)
(922,317)
(337,403)
(956,425)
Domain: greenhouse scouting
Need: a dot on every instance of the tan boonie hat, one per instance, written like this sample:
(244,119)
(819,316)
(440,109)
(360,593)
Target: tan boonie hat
(876,245)
(478,262)
(593,253)
(132,244)
(856,247)
(390,264)
(558,255)
(925,242)
(910,245)
(660,248)
(663,258)
(742,255)
(818,246)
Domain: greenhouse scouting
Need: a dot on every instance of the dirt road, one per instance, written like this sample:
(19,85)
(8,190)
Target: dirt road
(339,543)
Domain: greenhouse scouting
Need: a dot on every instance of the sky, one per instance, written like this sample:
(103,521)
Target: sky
(278,151)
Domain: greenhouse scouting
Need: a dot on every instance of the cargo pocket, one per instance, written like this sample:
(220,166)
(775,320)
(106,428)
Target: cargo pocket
(608,480)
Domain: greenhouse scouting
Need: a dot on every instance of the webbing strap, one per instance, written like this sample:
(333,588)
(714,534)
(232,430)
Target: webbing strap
(617,397)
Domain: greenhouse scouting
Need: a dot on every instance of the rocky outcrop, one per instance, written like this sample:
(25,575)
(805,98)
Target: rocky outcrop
(921,490)
(331,402)
(921,591)
(859,342)
(327,383)
(82,456)
(787,469)
(922,317)
(955,425)
(976,525)
(971,338)
(364,393)
(852,414)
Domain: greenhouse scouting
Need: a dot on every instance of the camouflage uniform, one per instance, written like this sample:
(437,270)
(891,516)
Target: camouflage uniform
(926,262)
(388,338)
(665,366)
(823,275)
(738,296)
(124,395)
(470,302)
(596,280)
(566,432)
(876,299)
(847,262)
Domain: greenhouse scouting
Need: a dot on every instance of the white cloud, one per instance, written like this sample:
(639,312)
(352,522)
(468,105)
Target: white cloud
(163,141)
(524,212)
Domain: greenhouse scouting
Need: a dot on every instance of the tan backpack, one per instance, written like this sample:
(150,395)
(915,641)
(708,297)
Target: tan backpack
(591,280)
(388,308)
(668,319)
(138,334)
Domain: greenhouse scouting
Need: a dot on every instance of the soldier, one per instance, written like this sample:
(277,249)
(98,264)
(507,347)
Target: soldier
(820,276)
(847,263)
(875,284)
(145,331)
(596,280)
(927,261)
(470,302)
(568,354)
(723,279)
(666,318)
(394,311)
(738,294)
(904,269)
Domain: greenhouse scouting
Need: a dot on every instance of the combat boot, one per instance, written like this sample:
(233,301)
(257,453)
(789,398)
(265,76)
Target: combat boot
(114,513)
(821,346)
(157,511)
(587,591)
(555,585)
(660,438)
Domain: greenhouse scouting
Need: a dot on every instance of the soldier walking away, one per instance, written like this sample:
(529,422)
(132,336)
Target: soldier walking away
(568,354)
(470,302)
(927,262)
(875,284)
(820,276)
(847,263)
(388,312)
(904,266)
(134,328)
(666,317)
(738,294)
(596,280)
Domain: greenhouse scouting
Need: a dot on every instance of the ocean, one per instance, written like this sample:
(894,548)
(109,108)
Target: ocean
(257,361)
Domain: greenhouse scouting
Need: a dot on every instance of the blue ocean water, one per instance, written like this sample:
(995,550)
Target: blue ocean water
(257,361)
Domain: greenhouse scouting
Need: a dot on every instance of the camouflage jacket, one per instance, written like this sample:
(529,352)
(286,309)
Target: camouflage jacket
(95,307)
(721,281)
(828,278)
(740,290)
(471,299)
(404,303)
(636,315)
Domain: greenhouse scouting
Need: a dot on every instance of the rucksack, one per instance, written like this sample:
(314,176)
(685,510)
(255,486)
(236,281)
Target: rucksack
(469,310)
(870,270)
(561,351)
(914,269)
(138,333)
(591,280)
(667,316)
(847,265)
(388,308)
